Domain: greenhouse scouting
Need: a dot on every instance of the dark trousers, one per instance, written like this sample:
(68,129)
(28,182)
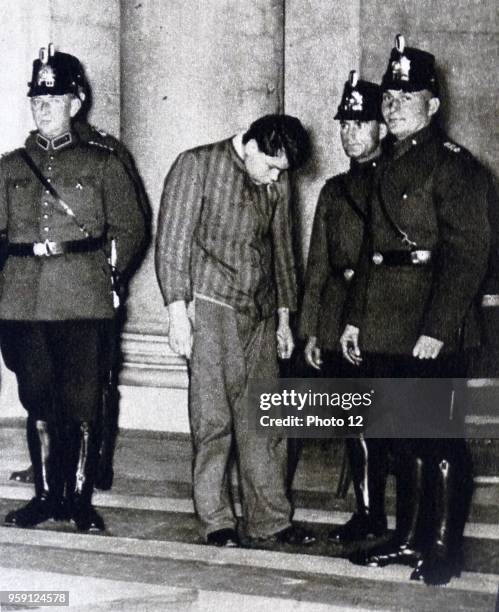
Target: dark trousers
(368,457)
(59,367)
(435,451)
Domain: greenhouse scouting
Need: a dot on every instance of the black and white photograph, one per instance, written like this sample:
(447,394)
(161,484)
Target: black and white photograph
(249,305)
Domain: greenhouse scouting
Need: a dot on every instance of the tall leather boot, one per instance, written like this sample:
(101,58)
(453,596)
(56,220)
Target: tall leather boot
(369,473)
(44,505)
(108,433)
(439,562)
(402,547)
(80,484)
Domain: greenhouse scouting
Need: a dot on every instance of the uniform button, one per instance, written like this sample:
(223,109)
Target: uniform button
(47,191)
(374,164)
(45,216)
(377,259)
(45,203)
(46,229)
(348,274)
(49,168)
(51,158)
(48,180)
(404,196)
(414,141)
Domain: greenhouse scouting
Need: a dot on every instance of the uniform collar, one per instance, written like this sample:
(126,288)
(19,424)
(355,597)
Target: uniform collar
(357,167)
(54,144)
(402,147)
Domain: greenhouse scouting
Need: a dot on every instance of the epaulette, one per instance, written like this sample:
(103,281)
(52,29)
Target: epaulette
(452,147)
(101,145)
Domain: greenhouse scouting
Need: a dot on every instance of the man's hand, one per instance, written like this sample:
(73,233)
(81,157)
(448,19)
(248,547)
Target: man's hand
(427,348)
(350,345)
(313,353)
(180,333)
(285,344)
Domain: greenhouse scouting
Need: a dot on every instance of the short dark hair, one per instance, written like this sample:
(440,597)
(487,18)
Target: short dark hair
(277,133)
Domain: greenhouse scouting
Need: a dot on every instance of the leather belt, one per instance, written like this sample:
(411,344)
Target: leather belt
(418,257)
(51,248)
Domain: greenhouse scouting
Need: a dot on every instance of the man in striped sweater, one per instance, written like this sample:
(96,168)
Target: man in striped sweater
(224,244)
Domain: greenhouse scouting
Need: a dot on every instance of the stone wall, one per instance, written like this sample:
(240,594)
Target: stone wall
(170,74)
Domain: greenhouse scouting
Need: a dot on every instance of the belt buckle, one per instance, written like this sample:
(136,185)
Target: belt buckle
(415,257)
(47,248)
(40,249)
(420,257)
(53,248)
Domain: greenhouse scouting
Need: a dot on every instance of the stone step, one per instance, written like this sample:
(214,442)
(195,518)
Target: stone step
(252,579)
(173,519)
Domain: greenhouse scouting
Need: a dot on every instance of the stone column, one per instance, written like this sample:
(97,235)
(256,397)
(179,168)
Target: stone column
(321,47)
(192,73)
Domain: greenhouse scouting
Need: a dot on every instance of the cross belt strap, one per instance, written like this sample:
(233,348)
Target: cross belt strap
(53,192)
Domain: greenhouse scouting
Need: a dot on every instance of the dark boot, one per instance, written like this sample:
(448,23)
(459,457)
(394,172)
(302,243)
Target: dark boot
(401,548)
(109,431)
(43,456)
(83,443)
(369,472)
(439,564)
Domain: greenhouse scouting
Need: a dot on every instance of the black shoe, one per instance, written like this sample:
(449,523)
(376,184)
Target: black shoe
(104,478)
(387,554)
(36,511)
(293,535)
(226,538)
(86,518)
(436,568)
(23,475)
(359,527)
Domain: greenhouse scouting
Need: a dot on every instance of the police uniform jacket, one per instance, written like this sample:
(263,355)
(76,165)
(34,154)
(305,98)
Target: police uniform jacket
(436,193)
(95,185)
(337,236)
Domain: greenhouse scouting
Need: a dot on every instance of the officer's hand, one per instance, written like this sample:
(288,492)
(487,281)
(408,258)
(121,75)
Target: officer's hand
(350,345)
(427,348)
(180,333)
(313,353)
(285,344)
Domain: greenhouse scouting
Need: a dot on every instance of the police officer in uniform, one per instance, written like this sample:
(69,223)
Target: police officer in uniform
(96,137)
(337,236)
(413,309)
(63,201)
